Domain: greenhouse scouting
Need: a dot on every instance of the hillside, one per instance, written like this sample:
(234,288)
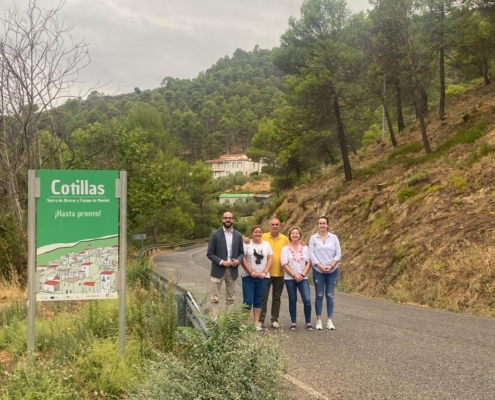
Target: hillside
(415,228)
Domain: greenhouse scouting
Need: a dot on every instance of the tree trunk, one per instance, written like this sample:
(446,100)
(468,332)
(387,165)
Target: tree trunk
(424,102)
(485,69)
(331,157)
(154,232)
(400,116)
(441,64)
(441,105)
(419,107)
(389,121)
(341,136)
(390,127)
(13,203)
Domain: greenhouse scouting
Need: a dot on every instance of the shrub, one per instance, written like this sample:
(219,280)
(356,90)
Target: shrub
(406,193)
(43,380)
(464,136)
(454,90)
(372,135)
(282,215)
(152,317)
(229,362)
(409,148)
(245,208)
(370,171)
(140,273)
(13,255)
(418,177)
(104,370)
(459,182)
(13,336)
(100,318)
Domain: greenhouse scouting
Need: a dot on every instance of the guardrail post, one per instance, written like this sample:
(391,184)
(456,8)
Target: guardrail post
(181,310)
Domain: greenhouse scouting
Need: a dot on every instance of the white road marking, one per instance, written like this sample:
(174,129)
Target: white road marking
(303,386)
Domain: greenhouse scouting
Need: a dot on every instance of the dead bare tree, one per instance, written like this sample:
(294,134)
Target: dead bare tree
(40,63)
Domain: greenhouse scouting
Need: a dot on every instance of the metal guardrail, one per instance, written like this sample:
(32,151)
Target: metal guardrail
(187,306)
(156,247)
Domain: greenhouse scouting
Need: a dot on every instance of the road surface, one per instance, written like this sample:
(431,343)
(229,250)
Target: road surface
(379,350)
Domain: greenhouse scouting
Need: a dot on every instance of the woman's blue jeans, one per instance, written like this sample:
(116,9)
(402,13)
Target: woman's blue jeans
(325,283)
(252,291)
(303,287)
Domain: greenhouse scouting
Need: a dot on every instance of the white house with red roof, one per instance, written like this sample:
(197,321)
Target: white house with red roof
(89,287)
(107,279)
(230,164)
(51,286)
(85,269)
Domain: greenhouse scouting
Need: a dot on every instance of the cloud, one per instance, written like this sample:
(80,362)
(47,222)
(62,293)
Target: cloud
(138,43)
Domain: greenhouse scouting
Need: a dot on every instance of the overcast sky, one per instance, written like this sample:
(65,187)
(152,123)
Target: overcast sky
(136,43)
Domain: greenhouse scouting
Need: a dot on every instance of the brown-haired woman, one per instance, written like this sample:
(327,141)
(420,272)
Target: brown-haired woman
(324,251)
(256,264)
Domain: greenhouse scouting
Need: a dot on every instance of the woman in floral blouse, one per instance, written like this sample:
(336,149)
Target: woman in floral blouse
(295,261)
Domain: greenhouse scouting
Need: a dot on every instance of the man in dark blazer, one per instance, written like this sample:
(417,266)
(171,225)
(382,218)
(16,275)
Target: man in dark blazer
(225,250)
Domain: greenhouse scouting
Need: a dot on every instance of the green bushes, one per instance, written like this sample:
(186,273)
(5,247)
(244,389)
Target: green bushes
(406,193)
(13,255)
(372,135)
(409,148)
(484,150)
(78,358)
(229,362)
(464,136)
(454,90)
(418,177)
(103,370)
(41,380)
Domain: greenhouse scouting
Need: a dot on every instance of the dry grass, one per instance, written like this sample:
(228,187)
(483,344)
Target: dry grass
(432,247)
(11,290)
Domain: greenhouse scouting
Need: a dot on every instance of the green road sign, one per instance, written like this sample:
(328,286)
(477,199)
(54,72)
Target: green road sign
(77,235)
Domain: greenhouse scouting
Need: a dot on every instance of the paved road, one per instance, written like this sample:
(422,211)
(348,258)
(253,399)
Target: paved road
(380,350)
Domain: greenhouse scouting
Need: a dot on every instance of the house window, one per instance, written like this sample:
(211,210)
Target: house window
(239,165)
(227,165)
(227,201)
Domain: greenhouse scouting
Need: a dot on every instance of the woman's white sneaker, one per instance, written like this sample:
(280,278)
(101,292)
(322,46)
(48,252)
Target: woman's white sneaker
(319,325)
(330,325)
(257,327)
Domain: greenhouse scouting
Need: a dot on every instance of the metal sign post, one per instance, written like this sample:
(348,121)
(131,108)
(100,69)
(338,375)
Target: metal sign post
(121,191)
(33,193)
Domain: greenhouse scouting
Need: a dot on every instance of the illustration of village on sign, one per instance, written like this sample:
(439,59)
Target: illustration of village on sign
(87,273)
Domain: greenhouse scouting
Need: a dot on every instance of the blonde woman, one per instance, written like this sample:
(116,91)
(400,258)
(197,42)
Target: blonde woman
(296,263)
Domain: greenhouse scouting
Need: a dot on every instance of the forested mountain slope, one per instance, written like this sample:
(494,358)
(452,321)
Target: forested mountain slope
(415,227)
(214,113)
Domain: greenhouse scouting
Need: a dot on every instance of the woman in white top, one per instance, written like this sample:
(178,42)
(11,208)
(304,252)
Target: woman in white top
(324,252)
(295,261)
(256,264)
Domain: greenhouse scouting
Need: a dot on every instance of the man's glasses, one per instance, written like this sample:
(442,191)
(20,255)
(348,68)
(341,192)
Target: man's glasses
(258,257)
(228,218)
